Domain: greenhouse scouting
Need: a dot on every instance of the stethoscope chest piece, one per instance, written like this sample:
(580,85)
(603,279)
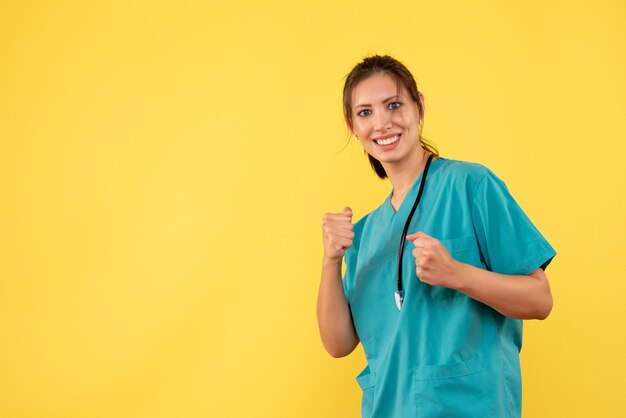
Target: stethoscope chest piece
(399,299)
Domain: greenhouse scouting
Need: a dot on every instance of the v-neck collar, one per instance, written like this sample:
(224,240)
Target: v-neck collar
(408,200)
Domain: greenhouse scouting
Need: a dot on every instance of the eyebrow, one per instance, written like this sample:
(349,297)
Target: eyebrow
(395,96)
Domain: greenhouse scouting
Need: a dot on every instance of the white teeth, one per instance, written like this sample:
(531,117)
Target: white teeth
(387,141)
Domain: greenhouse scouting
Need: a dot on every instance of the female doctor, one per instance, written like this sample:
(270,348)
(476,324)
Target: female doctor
(440,318)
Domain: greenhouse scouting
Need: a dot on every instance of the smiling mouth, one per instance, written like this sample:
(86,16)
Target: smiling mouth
(387,141)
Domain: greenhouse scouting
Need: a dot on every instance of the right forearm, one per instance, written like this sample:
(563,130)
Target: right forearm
(333,313)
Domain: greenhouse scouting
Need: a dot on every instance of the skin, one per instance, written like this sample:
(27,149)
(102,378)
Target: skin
(378,112)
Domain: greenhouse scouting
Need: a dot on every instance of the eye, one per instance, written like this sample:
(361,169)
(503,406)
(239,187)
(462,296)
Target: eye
(394,105)
(365,112)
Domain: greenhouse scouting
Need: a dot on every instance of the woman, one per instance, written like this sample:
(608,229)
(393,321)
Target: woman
(440,317)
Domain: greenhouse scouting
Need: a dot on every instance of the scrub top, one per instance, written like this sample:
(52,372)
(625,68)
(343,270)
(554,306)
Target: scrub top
(445,354)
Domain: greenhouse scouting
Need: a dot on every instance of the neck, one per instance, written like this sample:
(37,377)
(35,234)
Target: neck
(403,175)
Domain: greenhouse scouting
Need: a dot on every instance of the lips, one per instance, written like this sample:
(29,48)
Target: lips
(387,140)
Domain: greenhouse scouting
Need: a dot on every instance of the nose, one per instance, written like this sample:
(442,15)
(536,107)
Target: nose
(382,121)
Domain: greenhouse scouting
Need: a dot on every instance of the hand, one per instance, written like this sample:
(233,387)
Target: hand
(433,263)
(337,233)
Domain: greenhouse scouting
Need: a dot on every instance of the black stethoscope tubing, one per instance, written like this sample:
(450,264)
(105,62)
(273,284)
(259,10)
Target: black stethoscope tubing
(399,294)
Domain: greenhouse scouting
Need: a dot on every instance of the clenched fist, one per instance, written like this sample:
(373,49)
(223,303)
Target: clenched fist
(433,263)
(338,234)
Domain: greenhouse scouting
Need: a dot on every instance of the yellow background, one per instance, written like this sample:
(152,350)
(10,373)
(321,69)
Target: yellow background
(164,167)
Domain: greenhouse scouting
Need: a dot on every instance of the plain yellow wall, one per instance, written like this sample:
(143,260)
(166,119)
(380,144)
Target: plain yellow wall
(164,167)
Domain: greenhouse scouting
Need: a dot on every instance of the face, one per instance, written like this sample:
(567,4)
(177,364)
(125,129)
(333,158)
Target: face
(385,119)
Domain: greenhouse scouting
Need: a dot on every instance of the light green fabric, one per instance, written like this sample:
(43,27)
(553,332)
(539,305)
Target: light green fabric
(444,354)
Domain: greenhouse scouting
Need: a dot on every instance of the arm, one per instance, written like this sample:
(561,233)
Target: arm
(516,296)
(333,313)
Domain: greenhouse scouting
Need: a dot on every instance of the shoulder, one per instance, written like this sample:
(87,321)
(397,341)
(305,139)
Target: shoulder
(360,226)
(464,173)
(352,252)
(462,169)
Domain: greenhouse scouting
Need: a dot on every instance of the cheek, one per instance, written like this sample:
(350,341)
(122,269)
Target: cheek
(402,119)
(361,130)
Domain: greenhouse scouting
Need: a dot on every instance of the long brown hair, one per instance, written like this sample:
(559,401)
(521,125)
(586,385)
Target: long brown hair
(395,69)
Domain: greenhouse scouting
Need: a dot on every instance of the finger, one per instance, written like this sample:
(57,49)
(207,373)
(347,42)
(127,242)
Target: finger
(347,211)
(341,233)
(422,242)
(416,235)
(343,225)
(346,244)
(333,231)
(421,265)
(418,271)
(341,243)
(330,223)
(338,228)
(331,217)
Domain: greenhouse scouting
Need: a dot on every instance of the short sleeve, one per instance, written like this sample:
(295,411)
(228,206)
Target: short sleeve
(351,257)
(508,240)
(348,277)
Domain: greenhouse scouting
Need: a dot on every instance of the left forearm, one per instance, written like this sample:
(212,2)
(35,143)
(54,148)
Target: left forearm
(516,296)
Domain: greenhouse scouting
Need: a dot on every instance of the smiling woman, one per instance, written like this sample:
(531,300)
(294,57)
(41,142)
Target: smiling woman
(393,78)
(449,345)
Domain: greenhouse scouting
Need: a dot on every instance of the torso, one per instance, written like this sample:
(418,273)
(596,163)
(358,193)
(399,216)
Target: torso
(444,350)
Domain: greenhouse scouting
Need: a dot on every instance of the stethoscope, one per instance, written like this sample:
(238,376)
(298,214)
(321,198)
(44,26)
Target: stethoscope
(399,294)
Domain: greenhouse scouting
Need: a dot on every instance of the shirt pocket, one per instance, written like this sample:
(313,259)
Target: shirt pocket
(464,249)
(457,390)
(367,383)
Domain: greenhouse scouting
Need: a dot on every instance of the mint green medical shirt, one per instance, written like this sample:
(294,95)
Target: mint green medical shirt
(445,354)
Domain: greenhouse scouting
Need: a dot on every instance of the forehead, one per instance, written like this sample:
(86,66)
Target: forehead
(377,88)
